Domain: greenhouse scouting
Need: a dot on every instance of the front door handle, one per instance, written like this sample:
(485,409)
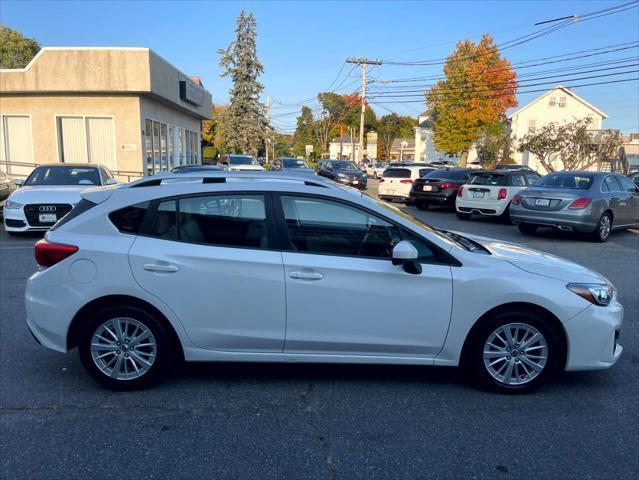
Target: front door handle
(306,275)
(154,267)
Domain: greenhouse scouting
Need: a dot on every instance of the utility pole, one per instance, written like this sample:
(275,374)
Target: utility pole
(363,62)
(268,124)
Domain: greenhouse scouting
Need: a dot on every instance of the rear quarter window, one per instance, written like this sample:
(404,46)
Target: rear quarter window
(81,207)
(129,219)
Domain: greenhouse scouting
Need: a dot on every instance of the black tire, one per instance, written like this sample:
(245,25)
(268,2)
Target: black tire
(14,234)
(505,216)
(474,362)
(463,216)
(164,351)
(527,228)
(422,205)
(601,234)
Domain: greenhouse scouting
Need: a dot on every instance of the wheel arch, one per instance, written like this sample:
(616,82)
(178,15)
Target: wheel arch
(517,307)
(121,301)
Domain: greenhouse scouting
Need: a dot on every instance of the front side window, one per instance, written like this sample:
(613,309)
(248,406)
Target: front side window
(326,227)
(222,220)
(626,184)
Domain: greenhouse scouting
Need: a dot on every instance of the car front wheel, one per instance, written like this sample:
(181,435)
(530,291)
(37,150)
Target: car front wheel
(514,353)
(125,348)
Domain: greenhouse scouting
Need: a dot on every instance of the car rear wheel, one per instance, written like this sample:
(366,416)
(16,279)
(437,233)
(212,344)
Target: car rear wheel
(527,228)
(463,216)
(514,353)
(125,348)
(603,229)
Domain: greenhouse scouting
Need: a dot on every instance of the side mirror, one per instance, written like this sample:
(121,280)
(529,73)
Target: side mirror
(111,181)
(405,254)
(19,182)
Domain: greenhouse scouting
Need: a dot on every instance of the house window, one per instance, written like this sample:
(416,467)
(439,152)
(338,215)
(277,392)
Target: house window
(562,102)
(15,143)
(532,124)
(552,102)
(86,140)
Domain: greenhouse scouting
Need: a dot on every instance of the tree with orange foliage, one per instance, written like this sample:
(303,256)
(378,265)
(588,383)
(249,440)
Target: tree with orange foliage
(479,88)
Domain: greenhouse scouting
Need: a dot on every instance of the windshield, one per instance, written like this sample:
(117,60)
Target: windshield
(566,180)
(294,163)
(242,160)
(344,166)
(58,175)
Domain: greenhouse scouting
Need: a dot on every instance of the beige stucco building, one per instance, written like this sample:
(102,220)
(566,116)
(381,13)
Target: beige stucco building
(126,108)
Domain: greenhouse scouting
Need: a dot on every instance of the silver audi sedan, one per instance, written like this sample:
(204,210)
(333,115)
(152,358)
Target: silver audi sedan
(595,203)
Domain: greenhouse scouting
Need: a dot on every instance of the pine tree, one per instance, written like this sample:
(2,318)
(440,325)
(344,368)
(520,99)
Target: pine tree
(244,122)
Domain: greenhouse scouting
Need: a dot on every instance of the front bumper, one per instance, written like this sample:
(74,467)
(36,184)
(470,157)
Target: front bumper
(16,221)
(360,183)
(593,337)
(575,220)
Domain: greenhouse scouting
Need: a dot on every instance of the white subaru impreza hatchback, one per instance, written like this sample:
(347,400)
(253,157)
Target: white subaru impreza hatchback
(227,266)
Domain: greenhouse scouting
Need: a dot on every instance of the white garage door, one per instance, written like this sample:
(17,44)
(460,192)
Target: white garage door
(72,138)
(87,139)
(101,141)
(17,142)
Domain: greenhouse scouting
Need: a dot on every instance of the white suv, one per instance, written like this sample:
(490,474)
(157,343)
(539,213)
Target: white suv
(279,268)
(396,182)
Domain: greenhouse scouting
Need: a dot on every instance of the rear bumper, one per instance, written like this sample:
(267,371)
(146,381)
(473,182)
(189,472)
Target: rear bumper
(481,208)
(441,198)
(577,220)
(593,337)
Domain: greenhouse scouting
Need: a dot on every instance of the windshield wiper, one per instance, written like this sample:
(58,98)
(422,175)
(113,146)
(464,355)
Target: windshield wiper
(463,241)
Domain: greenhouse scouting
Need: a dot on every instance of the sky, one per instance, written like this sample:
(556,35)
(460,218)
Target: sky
(303,45)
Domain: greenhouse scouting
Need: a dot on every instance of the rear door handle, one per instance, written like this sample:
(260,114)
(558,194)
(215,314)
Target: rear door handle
(154,267)
(306,275)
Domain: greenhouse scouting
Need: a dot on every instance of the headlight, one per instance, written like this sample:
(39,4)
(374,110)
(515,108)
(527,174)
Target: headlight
(595,293)
(342,175)
(12,205)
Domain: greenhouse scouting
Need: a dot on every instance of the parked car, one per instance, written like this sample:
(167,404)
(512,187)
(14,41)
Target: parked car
(490,192)
(439,187)
(292,165)
(634,177)
(7,187)
(49,193)
(512,166)
(196,168)
(344,172)
(375,170)
(591,202)
(240,163)
(127,280)
(396,182)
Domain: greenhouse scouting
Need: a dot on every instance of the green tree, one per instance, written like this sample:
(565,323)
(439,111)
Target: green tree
(304,134)
(244,122)
(16,51)
(478,88)
(393,126)
(212,136)
(495,145)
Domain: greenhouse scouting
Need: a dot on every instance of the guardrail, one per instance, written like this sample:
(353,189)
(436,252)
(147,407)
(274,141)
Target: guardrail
(24,169)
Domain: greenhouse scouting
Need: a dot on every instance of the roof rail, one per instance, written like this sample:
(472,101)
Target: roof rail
(225,177)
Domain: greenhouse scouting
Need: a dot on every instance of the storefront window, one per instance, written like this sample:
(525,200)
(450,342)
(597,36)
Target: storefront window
(163,152)
(181,146)
(156,147)
(148,146)
(172,161)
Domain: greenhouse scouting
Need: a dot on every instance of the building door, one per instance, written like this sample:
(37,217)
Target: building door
(17,143)
(101,145)
(72,143)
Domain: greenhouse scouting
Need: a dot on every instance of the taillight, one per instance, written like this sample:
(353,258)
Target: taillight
(48,254)
(406,182)
(460,192)
(516,199)
(580,203)
(444,186)
(503,193)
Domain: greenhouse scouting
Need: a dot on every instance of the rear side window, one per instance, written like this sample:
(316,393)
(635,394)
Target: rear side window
(81,207)
(222,220)
(129,219)
(396,173)
(610,185)
(532,178)
(424,171)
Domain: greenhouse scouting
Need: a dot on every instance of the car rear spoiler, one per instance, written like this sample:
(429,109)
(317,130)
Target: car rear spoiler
(99,194)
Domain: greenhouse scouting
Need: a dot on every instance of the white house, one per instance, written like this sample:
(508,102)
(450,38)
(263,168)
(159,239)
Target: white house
(425,150)
(345,145)
(559,105)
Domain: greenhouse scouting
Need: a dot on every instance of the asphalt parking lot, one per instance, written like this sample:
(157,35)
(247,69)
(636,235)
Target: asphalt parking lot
(320,421)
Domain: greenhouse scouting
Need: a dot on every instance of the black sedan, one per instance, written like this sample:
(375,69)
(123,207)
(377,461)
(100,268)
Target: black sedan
(439,187)
(344,172)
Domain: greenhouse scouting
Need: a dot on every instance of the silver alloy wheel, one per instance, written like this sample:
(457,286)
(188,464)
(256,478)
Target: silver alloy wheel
(604,227)
(123,348)
(515,354)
